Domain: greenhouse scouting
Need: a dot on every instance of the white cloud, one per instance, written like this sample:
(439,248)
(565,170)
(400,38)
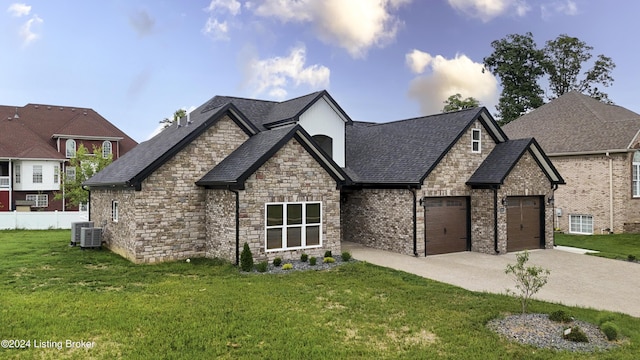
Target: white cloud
(448,77)
(486,10)
(273,76)
(27,32)
(18,9)
(354,25)
(567,7)
(219,30)
(418,60)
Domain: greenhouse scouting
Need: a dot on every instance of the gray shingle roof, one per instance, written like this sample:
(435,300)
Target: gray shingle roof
(403,152)
(575,123)
(495,168)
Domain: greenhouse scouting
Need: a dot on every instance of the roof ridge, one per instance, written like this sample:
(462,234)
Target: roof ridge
(424,117)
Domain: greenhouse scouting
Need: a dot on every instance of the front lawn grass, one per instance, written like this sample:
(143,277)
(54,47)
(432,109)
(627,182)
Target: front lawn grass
(207,309)
(613,246)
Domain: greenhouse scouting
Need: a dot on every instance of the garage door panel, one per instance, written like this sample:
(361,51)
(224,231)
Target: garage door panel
(523,223)
(446,225)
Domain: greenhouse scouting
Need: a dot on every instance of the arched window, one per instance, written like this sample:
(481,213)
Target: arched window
(325,142)
(636,174)
(106,149)
(71,148)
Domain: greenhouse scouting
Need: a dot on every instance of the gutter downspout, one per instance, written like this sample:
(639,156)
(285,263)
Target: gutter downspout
(495,220)
(610,193)
(10,185)
(415,223)
(237,224)
(88,202)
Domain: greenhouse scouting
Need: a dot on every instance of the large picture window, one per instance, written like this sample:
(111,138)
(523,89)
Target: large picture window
(293,225)
(636,175)
(581,224)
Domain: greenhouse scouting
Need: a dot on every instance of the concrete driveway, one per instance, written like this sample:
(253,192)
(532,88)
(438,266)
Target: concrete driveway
(575,280)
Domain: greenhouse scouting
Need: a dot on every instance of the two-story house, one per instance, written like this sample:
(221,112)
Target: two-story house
(36,142)
(300,176)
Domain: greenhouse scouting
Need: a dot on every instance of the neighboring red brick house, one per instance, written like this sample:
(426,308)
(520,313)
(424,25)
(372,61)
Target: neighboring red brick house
(36,142)
(300,176)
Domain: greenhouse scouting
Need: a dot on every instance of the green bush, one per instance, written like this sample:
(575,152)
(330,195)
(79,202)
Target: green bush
(287,266)
(304,257)
(606,316)
(631,257)
(262,266)
(329,260)
(576,335)
(312,261)
(327,253)
(277,261)
(560,316)
(246,258)
(346,256)
(610,330)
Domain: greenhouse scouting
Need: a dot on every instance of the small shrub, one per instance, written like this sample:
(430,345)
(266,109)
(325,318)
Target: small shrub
(631,258)
(329,260)
(327,253)
(606,317)
(312,261)
(346,256)
(304,257)
(529,280)
(262,266)
(560,316)
(246,258)
(287,266)
(277,261)
(576,335)
(610,330)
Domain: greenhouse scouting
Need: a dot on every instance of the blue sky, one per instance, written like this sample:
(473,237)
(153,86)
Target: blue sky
(137,61)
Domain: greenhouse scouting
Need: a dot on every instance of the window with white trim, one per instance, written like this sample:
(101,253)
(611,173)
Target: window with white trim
(106,149)
(476,141)
(56,174)
(581,224)
(39,200)
(17,173)
(71,148)
(635,183)
(114,211)
(37,174)
(71,173)
(296,225)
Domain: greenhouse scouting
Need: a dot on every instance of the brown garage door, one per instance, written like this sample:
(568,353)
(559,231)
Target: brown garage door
(523,223)
(446,225)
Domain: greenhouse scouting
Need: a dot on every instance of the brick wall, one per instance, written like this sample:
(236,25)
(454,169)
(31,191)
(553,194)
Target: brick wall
(587,191)
(166,219)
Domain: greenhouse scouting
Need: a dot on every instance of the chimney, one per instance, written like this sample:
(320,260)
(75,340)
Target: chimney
(16,116)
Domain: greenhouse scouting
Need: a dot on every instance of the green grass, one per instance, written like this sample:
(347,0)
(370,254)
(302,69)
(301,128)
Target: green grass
(207,309)
(614,246)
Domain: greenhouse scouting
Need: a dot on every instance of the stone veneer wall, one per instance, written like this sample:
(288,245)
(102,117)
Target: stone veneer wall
(291,175)
(587,191)
(379,218)
(166,219)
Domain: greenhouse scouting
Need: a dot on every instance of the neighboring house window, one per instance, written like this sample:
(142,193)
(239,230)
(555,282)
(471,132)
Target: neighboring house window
(71,148)
(581,224)
(476,144)
(325,142)
(114,211)
(636,174)
(37,174)
(106,149)
(293,225)
(17,171)
(40,200)
(71,173)
(56,174)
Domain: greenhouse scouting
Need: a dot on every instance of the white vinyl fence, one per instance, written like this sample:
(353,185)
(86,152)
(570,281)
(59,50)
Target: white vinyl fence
(40,220)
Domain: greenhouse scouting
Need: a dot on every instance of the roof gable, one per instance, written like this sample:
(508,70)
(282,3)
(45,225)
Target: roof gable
(578,123)
(234,170)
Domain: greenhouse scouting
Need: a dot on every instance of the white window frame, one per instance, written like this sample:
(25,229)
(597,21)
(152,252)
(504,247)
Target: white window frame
(635,175)
(476,142)
(582,224)
(56,174)
(106,149)
(37,174)
(18,175)
(70,148)
(303,226)
(115,211)
(40,200)
(71,173)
